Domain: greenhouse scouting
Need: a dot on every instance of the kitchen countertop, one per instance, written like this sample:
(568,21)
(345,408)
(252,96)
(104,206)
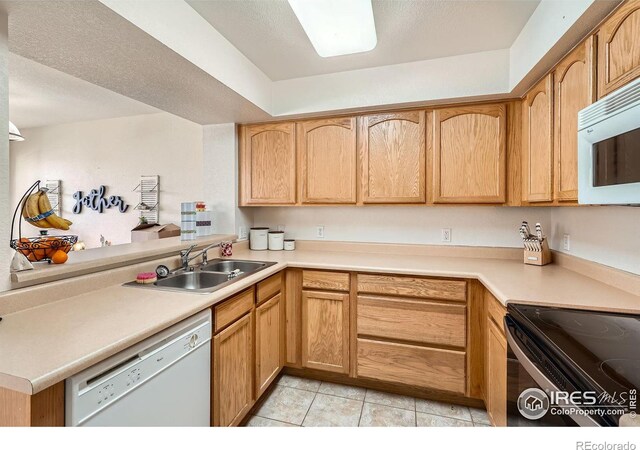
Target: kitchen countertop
(44,345)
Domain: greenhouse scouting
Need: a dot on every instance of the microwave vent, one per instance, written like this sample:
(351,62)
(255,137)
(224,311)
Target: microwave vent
(614,103)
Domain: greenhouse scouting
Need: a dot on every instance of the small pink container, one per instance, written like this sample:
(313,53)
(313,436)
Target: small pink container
(226,249)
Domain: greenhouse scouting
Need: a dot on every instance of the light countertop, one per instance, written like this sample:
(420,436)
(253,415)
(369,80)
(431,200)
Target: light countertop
(44,345)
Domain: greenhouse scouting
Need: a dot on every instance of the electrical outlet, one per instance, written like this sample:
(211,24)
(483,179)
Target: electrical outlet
(280,228)
(320,232)
(446,235)
(242,233)
(566,242)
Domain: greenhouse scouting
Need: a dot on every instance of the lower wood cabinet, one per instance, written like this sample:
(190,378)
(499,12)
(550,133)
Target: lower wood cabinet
(233,372)
(495,363)
(432,368)
(269,342)
(413,320)
(325,331)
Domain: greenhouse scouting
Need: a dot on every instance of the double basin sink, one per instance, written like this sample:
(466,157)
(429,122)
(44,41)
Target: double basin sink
(206,278)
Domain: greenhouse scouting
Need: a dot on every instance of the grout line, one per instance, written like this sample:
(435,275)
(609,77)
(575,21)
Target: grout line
(309,408)
(275,420)
(392,406)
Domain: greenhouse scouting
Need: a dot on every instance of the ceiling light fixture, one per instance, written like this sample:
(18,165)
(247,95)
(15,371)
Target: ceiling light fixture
(14,133)
(337,27)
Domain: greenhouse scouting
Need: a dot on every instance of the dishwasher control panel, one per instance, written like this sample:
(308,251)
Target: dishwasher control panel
(122,373)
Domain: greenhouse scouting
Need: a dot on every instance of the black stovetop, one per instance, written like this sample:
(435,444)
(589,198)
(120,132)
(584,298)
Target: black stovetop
(604,347)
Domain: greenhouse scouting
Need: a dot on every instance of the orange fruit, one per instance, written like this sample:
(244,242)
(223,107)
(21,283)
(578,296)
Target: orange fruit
(59,257)
(51,246)
(23,245)
(38,250)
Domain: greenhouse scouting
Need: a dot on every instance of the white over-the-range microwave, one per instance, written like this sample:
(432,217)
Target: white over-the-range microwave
(609,149)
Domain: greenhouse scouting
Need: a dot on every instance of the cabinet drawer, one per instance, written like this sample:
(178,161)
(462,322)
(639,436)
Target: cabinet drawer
(495,310)
(333,281)
(269,287)
(233,309)
(410,364)
(413,287)
(412,320)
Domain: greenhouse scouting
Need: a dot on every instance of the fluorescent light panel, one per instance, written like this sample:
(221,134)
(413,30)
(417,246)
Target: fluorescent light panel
(337,27)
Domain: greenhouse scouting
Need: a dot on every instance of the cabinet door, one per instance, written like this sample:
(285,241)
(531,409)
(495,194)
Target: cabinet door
(232,372)
(392,157)
(573,91)
(325,331)
(537,139)
(469,154)
(327,155)
(619,48)
(268,164)
(496,375)
(269,342)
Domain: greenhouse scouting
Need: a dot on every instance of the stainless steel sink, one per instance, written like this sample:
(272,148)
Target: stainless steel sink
(193,281)
(229,265)
(210,277)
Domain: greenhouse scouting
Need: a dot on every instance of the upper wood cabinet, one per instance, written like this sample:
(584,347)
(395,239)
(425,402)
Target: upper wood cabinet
(574,90)
(327,158)
(469,154)
(393,157)
(619,48)
(325,331)
(537,139)
(268,164)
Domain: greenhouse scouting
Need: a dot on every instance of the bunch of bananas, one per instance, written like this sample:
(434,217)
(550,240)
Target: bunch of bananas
(36,209)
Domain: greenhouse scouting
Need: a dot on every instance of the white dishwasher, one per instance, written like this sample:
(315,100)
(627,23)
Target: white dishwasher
(161,381)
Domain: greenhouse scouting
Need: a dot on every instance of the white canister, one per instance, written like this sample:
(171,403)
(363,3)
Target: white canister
(258,238)
(289,244)
(276,240)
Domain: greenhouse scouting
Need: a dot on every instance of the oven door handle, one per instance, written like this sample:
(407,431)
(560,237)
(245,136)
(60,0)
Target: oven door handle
(543,381)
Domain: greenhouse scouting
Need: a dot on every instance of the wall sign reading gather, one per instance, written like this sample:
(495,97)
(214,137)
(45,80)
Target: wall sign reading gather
(97,201)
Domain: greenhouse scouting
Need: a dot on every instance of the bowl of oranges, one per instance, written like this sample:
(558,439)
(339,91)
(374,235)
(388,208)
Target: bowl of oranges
(45,248)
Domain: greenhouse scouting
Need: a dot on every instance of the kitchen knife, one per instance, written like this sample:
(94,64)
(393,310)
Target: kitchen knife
(524,237)
(525,225)
(539,231)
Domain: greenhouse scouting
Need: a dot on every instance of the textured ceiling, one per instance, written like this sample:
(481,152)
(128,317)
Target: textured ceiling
(269,34)
(87,40)
(41,96)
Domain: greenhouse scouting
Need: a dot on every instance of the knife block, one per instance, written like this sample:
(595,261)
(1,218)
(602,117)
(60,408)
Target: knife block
(541,258)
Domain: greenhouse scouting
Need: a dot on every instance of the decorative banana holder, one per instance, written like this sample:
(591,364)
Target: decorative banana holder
(36,209)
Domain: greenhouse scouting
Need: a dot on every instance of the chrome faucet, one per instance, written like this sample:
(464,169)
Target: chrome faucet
(186,258)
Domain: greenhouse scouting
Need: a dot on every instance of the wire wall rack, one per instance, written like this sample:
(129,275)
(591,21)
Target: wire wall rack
(149,204)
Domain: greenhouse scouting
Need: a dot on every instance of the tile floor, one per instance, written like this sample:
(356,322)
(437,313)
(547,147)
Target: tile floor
(311,403)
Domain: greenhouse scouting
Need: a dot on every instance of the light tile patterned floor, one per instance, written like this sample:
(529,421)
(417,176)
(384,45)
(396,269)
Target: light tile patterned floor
(310,403)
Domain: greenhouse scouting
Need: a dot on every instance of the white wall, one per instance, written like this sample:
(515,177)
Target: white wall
(470,225)
(112,152)
(5,218)
(475,74)
(220,147)
(605,234)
